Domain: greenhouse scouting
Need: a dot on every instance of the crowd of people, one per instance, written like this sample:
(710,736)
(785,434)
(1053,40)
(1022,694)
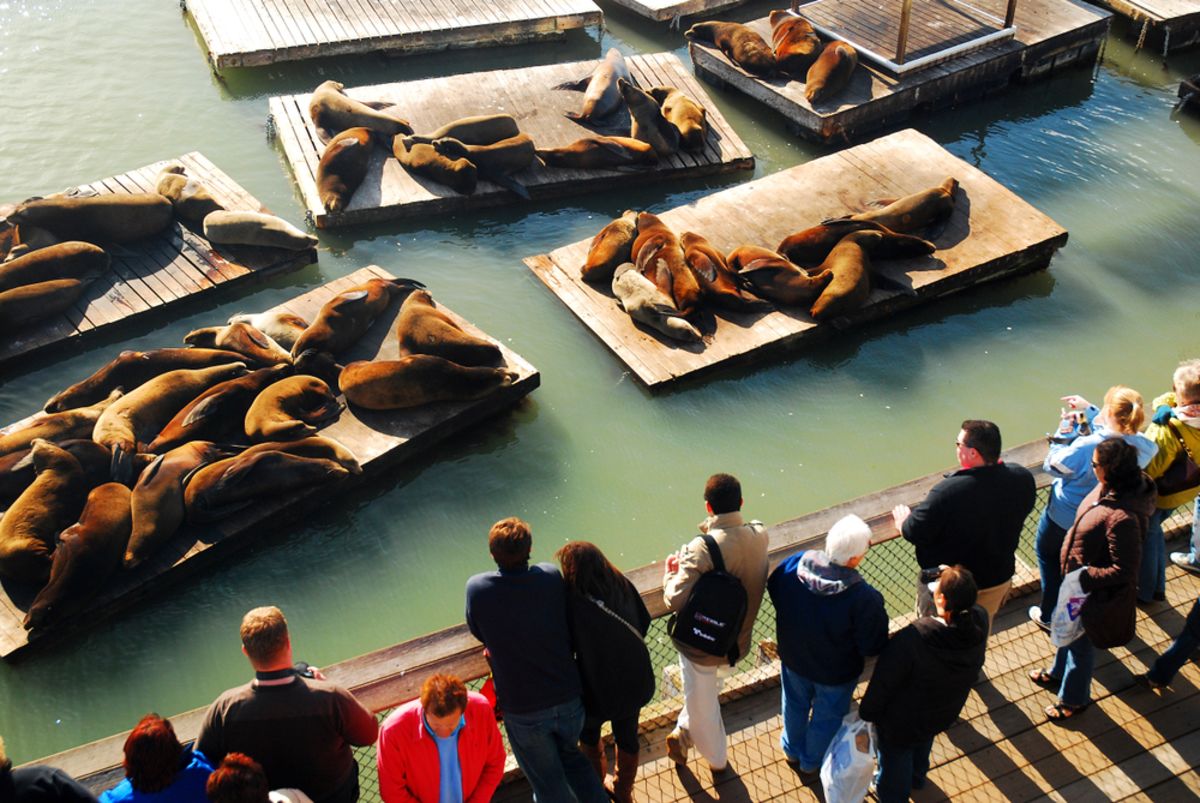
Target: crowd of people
(566,643)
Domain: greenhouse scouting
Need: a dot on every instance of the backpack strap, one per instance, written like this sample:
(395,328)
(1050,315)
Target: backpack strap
(714,552)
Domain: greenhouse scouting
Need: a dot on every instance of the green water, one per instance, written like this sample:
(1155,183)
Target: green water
(95,88)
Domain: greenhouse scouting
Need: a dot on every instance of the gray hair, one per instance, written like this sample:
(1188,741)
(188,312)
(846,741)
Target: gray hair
(847,539)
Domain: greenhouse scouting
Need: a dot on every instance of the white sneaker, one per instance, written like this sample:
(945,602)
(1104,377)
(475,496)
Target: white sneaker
(1184,561)
(1035,614)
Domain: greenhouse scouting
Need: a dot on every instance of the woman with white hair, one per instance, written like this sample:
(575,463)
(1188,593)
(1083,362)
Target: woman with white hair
(827,621)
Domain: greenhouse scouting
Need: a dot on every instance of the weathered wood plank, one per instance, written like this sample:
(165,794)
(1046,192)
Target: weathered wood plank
(670,9)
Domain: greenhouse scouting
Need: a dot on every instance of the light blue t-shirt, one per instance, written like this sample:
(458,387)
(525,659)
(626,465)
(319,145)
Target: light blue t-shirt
(451,772)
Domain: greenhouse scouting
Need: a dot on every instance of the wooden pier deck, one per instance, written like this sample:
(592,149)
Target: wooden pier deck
(664,10)
(1163,25)
(389,191)
(992,233)
(158,272)
(247,33)
(379,440)
(1050,35)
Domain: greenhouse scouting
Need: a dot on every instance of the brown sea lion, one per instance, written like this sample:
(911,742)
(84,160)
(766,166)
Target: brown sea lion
(8,231)
(648,123)
(244,227)
(596,153)
(29,527)
(218,413)
(718,283)
(612,246)
(659,257)
(809,248)
(601,98)
(423,160)
(422,328)
(332,110)
(87,554)
(343,167)
(851,285)
(314,446)
(116,218)
(916,212)
(831,72)
(320,364)
(70,260)
(480,130)
(768,275)
(243,338)
(291,408)
(17,472)
(796,44)
(189,196)
(30,238)
(418,379)
(740,44)
(133,368)
(496,162)
(347,316)
(689,117)
(226,486)
(643,302)
(68,424)
(30,303)
(281,326)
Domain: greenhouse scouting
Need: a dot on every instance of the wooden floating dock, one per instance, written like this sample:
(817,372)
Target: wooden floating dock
(1050,35)
(992,233)
(379,440)
(389,191)
(158,272)
(1165,25)
(664,10)
(249,33)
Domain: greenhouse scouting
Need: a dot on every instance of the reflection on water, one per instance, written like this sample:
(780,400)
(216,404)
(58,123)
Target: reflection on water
(97,88)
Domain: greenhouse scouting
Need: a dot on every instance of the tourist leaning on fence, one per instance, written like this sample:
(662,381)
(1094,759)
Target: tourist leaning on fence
(921,682)
(744,553)
(827,620)
(1105,541)
(974,516)
(443,747)
(240,779)
(39,784)
(1069,461)
(158,768)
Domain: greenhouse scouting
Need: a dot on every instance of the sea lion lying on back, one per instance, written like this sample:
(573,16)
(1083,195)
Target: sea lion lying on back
(69,260)
(659,257)
(347,316)
(244,227)
(281,326)
(190,198)
(243,338)
(67,424)
(332,110)
(689,117)
(717,282)
(592,153)
(291,408)
(418,379)
(740,44)
(769,275)
(98,219)
(423,160)
(831,72)
(643,302)
(422,328)
(343,167)
(226,486)
(29,527)
(218,413)
(916,212)
(133,368)
(479,130)
(601,98)
(648,123)
(796,44)
(611,247)
(34,302)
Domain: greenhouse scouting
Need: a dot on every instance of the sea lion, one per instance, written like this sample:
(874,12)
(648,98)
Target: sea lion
(770,276)
(70,260)
(29,527)
(643,302)
(291,408)
(30,238)
(418,379)
(67,424)
(244,227)
(242,338)
(87,554)
(332,110)
(117,218)
(157,499)
(343,167)
(314,446)
(916,212)
(831,72)
(850,266)
(189,196)
(17,471)
(648,124)
(226,486)
(347,316)
(218,413)
(612,246)
(320,364)
(796,44)
(133,368)
(496,162)
(423,160)
(8,231)
(740,44)
(422,328)
(809,248)
(281,326)
(601,98)
(659,257)
(718,283)
(35,302)
(595,153)
(480,130)
(689,117)
(138,416)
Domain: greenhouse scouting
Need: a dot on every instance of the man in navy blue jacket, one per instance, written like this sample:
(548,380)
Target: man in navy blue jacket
(827,620)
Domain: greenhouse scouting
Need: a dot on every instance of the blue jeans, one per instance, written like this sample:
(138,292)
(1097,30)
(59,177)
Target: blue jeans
(804,740)
(1073,665)
(546,746)
(901,768)
(1152,577)
(1194,545)
(1180,651)
(1048,543)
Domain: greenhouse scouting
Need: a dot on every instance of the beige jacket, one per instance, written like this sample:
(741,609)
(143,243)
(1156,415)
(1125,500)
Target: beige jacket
(744,550)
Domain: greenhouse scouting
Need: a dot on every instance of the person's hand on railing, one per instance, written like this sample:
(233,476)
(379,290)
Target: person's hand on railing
(900,514)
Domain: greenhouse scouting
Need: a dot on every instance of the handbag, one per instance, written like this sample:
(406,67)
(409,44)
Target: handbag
(1182,475)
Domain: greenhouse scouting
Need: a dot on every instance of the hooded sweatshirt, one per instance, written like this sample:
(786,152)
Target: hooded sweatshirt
(827,618)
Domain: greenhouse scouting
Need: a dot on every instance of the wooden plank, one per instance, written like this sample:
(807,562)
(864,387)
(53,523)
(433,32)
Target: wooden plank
(670,9)
(992,233)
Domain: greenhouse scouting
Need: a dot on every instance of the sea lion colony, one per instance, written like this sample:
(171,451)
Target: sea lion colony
(668,281)
(125,458)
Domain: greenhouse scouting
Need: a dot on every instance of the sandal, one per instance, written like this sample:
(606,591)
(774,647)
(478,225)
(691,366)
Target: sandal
(1061,712)
(1044,679)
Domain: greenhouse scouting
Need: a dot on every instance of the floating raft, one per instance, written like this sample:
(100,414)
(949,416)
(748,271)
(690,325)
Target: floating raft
(1050,34)
(380,440)
(389,191)
(670,9)
(1165,25)
(161,271)
(992,233)
(251,33)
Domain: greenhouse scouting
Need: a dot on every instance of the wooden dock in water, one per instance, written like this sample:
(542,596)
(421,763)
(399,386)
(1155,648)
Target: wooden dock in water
(1163,25)
(379,440)
(249,33)
(389,191)
(992,233)
(1050,34)
(159,272)
(664,10)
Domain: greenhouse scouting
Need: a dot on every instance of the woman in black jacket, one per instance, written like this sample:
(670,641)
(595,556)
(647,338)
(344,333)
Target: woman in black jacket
(608,623)
(921,683)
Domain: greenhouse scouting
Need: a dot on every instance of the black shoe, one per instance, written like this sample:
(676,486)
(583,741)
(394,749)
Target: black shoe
(1160,596)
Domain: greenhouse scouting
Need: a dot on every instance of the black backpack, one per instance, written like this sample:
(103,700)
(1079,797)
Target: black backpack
(712,617)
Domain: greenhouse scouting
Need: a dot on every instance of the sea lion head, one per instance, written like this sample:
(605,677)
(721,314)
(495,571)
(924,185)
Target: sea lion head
(321,364)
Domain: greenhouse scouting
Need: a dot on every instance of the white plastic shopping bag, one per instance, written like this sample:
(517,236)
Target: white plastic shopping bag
(849,763)
(1066,625)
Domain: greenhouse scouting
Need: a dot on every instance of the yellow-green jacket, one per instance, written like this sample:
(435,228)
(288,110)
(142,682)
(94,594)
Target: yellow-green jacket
(1168,447)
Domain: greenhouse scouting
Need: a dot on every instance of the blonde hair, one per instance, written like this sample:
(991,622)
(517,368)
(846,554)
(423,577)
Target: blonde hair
(1187,382)
(264,633)
(1124,409)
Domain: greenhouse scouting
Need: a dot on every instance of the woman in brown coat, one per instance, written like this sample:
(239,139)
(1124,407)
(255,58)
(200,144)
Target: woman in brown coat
(1106,540)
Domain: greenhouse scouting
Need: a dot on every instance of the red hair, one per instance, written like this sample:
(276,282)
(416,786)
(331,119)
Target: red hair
(238,779)
(152,754)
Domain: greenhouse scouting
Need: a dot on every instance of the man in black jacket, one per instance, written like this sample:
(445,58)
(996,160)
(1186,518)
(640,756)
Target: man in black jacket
(39,784)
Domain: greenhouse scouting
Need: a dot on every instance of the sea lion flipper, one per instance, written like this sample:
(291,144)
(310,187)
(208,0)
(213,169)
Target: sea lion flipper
(511,184)
(148,473)
(353,296)
(833,221)
(578,85)
(205,409)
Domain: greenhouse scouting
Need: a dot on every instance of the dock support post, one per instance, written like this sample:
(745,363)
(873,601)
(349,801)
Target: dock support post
(1010,13)
(902,40)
